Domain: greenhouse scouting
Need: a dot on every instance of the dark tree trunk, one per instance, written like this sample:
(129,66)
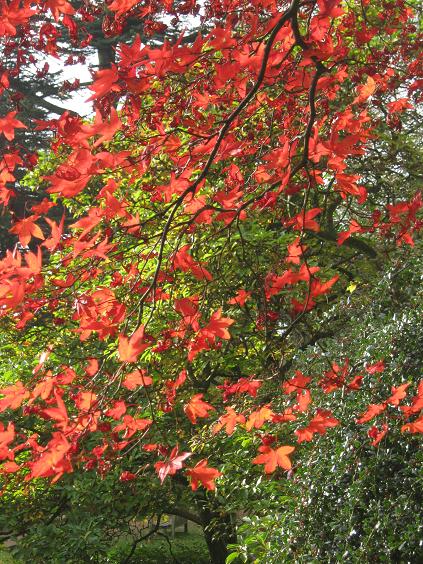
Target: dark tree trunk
(106,56)
(219,531)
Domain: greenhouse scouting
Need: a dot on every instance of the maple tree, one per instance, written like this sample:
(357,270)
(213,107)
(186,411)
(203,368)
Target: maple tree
(223,201)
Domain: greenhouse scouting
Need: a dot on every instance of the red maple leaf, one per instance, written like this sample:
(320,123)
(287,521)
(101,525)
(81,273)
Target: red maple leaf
(105,82)
(241,297)
(217,327)
(376,434)
(132,425)
(88,222)
(248,386)
(92,367)
(355,227)
(305,220)
(365,91)
(335,378)
(13,396)
(127,476)
(229,421)
(26,228)
(58,413)
(356,382)
(322,421)
(272,458)
(284,417)
(415,427)
(67,283)
(130,349)
(398,105)
(317,288)
(196,407)
(43,207)
(122,6)
(105,129)
(182,260)
(188,308)
(9,467)
(67,188)
(258,418)
(8,124)
(34,261)
(201,473)
(398,394)
(85,401)
(13,14)
(170,466)
(295,251)
(6,436)
(377,367)
(298,383)
(416,402)
(118,409)
(56,234)
(137,378)
(372,411)
(58,7)
(304,399)
(54,461)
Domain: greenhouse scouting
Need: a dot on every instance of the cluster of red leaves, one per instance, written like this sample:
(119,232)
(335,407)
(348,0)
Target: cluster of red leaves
(229,76)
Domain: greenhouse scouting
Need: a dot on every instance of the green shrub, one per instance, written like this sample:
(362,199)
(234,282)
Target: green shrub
(185,550)
(6,558)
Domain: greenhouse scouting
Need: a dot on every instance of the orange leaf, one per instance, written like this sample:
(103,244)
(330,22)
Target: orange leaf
(229,421)
(6,436)
(204,474)
(258,418)
(84,401)
(9,467)
(272,458)
(196,407)
(303,401)
(92,367)
(118,409)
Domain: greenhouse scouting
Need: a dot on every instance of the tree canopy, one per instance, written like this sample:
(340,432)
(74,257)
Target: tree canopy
(212,307)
